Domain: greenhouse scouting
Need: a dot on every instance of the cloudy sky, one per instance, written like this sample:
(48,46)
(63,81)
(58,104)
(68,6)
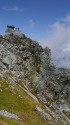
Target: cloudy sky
(47,21)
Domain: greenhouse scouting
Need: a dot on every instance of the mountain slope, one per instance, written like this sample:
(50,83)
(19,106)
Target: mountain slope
(32,90)
(13,99)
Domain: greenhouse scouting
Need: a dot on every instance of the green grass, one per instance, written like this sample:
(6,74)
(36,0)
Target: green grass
(15,100)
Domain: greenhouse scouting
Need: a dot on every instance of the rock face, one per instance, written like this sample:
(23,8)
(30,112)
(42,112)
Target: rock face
(30,65)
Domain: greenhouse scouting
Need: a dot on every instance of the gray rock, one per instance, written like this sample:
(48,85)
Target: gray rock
(29,93)
(43,114)
(42,98)
(8,114)
(10,61)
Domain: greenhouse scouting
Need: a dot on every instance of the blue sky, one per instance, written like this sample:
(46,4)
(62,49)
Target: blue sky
(47,21)
(32,16)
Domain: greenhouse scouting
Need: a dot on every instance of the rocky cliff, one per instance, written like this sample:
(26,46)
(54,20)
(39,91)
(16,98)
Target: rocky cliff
(25,65)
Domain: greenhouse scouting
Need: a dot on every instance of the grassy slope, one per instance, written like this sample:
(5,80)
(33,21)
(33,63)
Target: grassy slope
(15,100)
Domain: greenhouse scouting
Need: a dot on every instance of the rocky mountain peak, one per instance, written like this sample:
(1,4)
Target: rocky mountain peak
(11,30)
(25,63)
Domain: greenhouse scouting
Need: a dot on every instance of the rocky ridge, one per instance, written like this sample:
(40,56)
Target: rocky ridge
(24,62)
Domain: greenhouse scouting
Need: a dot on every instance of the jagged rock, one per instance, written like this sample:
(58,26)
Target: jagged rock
(48,52)
(24,61)
(10,61)
(2,65)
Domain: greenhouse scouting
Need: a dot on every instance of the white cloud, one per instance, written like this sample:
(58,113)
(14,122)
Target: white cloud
(67,49)
(67,19)
(31,23)
(59,42)
(15,8)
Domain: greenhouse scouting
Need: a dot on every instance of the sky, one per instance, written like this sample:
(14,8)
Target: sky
(47,21)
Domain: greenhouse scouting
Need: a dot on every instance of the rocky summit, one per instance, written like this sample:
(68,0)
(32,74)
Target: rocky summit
(32,90)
